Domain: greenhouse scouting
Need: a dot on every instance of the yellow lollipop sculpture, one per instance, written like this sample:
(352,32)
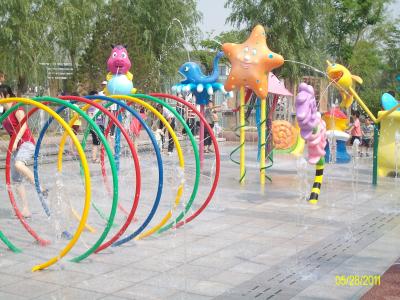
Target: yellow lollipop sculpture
(344,81)
(251,63)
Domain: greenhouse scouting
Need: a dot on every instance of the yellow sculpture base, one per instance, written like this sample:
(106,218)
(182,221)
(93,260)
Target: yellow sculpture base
(387,144)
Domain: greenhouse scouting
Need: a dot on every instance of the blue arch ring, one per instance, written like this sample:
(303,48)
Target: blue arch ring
(152,138)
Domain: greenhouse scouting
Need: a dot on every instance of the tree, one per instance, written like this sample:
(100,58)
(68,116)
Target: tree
(366,62)
(210,46)
(295,29)
(351,32)
(233,36)
(348,21)
(25,38)
(156,43)
(387,35)
(73,26)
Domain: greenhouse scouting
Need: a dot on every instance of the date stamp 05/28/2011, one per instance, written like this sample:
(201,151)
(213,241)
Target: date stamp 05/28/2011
(357,280)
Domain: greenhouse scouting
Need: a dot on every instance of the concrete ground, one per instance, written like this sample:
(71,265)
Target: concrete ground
(248,244)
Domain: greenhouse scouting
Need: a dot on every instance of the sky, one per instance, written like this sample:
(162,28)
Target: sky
(214,15)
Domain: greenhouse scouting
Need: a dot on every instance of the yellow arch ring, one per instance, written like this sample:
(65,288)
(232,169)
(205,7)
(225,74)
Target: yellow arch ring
(180,157)
(86,173)
(178,149)
(60,157)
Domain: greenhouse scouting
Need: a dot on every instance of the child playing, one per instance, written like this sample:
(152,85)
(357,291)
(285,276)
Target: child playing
(100,121)
(22,150)
(75,128)
(368,136)
(355,130)
(215,118)
(135,126)
(158,134)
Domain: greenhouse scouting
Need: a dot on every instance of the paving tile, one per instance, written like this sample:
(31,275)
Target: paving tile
(209,288)
(328,292)
(132,274)
(243,235)
(112,297)
(5,262)
(168,280)
(231,277)
(145,291)
(216,261)
(29,288)
(103,284)
(249,268)
(21,269)
(243,250)
(90,267)
(187,296)
(71,293)
(8,279)
(157,264)
(11,296)
(58,277)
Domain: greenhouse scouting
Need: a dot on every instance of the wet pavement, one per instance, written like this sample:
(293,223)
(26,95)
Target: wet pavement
(248,244)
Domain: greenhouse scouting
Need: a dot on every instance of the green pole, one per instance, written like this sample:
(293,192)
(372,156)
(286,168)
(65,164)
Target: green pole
(375,158)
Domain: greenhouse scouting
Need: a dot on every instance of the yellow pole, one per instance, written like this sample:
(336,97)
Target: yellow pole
(242,137)
(369,113)
(363,106)
(262,142)
(386,113)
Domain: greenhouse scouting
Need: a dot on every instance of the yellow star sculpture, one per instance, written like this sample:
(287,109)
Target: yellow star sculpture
(251,62)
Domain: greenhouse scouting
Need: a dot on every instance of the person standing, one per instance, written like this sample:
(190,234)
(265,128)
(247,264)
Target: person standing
(135,126)
(367,139)
(102,88)
(100,121)
(112,109)
(158,134)
(208,115)
(215,118)
(355,130)
(75,128)
(2,77)
(171,120)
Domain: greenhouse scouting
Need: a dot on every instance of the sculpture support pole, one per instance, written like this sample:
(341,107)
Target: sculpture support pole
(263,141)
(117,146)
(242,137)
(201,139)
(375,155)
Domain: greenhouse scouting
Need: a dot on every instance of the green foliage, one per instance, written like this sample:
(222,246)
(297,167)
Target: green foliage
(74,25)
(367,63)
(233,36)
(154,38)
(347,21)
(25,39)
(211,46)
(35,31)
(295,29)
(205,58)
(351,32)
(387,35)
(377,60)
